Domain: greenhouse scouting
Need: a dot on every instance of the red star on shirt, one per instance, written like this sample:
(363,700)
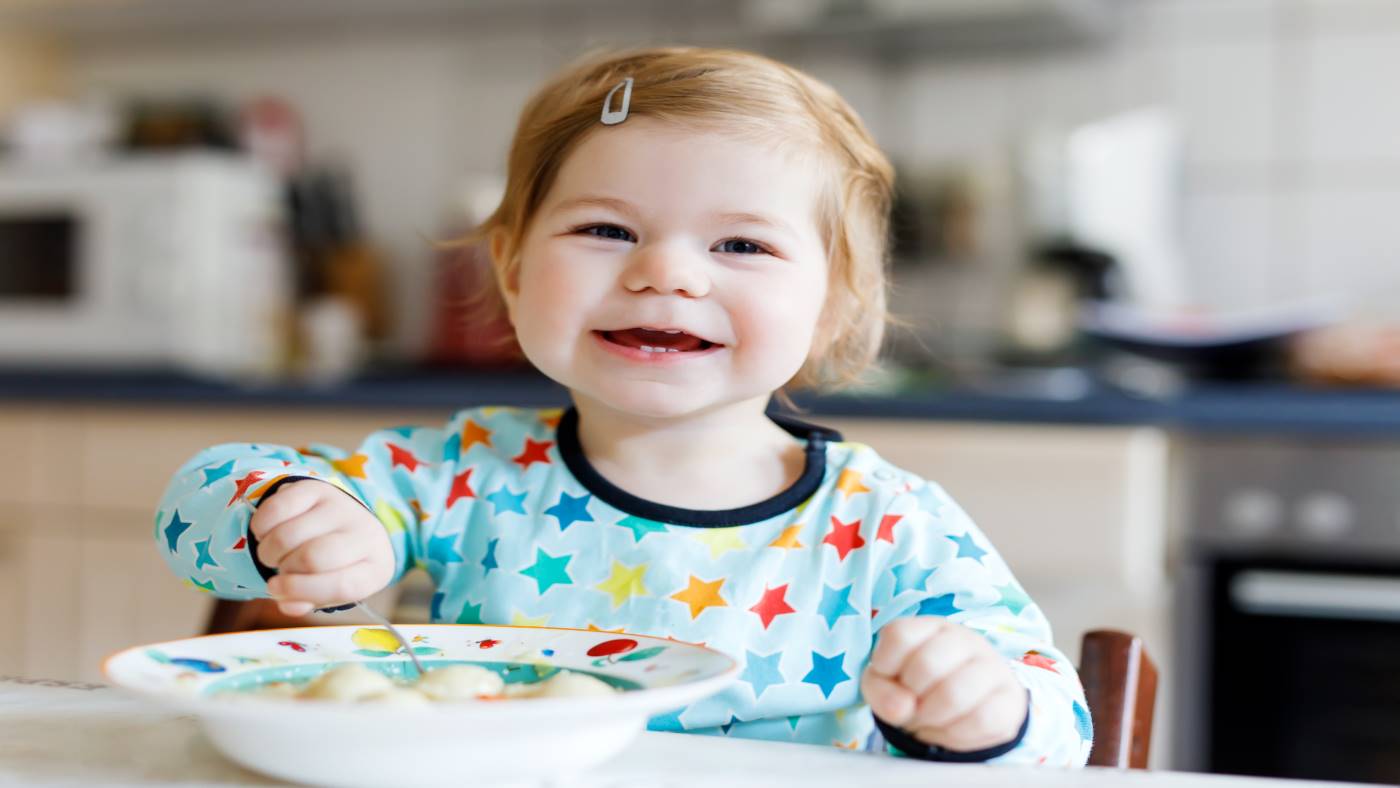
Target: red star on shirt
(534,451)
(887,524)
(241,486)
(845,537)
(402,456)
(772,604)
(1038,660)
(460,488)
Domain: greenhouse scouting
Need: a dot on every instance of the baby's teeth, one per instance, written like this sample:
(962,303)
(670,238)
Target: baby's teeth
(650,349)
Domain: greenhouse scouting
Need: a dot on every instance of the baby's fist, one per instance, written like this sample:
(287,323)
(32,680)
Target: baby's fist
(326,547)
(945,684)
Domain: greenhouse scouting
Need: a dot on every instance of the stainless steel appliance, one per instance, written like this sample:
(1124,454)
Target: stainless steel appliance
(172,260)
(1288,619)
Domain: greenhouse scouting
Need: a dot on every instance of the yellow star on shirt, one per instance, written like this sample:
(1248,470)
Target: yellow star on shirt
(719,540)
(519,619)
(849,483)
(550,418)
(352,466)
(788,539)
(389,516)
(625,583)
(700,595)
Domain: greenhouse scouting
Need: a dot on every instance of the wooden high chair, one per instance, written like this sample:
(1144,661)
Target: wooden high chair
(1120,680)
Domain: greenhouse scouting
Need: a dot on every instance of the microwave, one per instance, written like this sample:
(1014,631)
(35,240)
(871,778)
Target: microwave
(170,261)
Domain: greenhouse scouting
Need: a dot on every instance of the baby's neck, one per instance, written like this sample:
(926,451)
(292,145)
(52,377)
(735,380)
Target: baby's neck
(720,459)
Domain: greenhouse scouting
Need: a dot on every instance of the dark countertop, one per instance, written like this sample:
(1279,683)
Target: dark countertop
(1240,408)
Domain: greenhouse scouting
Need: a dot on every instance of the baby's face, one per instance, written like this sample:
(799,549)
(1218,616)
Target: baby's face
(669,272)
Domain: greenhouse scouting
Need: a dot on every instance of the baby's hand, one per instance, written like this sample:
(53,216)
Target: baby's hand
(326,547)
(945,684)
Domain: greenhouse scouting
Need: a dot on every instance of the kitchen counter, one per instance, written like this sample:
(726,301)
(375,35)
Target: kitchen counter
(60,733)
(1254,407)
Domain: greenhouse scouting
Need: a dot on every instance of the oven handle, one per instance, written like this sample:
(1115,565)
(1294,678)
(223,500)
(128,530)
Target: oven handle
(1313,595)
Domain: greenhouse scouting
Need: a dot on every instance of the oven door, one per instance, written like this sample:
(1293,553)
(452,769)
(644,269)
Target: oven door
(1304,669)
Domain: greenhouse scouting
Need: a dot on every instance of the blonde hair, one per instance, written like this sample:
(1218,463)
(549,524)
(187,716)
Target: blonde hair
(755,98)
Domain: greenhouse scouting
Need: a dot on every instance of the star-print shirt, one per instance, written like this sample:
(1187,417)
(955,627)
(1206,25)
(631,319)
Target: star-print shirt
(514,525)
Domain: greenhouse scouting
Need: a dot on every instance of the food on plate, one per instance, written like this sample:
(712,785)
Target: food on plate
(352,682)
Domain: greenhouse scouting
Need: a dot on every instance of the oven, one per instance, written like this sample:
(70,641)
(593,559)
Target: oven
(1288,609)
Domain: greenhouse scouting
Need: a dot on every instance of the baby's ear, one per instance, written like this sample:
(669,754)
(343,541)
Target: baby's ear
(507,274)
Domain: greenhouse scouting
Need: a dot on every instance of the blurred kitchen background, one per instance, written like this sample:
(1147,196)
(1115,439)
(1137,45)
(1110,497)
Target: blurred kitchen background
(1146,254)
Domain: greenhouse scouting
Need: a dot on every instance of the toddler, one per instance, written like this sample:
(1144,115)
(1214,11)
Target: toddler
(685,232)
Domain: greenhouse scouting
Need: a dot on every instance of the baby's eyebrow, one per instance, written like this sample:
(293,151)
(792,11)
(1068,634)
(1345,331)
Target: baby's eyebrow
(595,201)
(754,218)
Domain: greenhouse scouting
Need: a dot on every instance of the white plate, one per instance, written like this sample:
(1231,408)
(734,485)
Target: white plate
(329,743)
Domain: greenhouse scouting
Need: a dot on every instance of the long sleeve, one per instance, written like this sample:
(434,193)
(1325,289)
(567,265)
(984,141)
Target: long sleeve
(202,519)
(943,565)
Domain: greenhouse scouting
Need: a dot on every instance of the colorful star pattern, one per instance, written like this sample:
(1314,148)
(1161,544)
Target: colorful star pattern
(570,509)
(826,672)
(772,605)
(548,570)
(461,487)
(506,501)
(799,595)
(624,583)
(701,595)
(845,537)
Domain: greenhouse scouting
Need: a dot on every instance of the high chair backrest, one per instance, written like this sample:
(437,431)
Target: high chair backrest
(1120,684)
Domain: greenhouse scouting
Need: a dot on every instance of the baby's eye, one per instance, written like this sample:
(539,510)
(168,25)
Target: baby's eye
(740,246)
(609,231)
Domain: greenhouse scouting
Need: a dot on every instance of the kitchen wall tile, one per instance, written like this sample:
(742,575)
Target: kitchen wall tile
(1350,244)
(1174,22)
(1347,109)
(948,110)
(1229,249)
(1344,16)
(1225,96)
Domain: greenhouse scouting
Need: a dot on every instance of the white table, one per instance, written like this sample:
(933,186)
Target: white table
(56,733)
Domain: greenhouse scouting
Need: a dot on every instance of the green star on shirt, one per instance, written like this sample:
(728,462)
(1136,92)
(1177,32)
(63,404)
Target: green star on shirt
(640,527)
(1013,598)
(548,570)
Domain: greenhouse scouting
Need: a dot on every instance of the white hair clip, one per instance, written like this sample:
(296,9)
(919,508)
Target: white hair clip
(613,117)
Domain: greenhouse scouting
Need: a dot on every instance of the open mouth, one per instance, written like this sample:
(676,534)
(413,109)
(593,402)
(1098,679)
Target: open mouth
(657,341)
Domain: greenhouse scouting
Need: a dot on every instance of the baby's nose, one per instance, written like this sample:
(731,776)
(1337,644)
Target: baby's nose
(668,269)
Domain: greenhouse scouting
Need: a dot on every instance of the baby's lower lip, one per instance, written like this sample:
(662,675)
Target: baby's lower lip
(652,356)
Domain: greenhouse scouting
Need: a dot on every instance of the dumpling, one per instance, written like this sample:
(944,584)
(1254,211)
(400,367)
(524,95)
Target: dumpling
(568,684)
(348,682)
(397,696)
(459,682)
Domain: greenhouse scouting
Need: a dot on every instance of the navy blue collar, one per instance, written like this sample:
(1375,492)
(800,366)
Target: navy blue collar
(806,485)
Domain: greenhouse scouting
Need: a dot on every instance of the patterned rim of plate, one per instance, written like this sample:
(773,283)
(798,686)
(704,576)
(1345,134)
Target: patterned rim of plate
(181,672)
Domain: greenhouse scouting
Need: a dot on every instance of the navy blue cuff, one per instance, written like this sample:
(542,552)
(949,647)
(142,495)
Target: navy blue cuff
(911,746)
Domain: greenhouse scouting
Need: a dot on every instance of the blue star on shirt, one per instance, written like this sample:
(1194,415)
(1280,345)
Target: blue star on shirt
(452,449)
(405,431)
(435,609)
(967,548)
(909,575)
(490,560)
(174,530)
(641,526)
(761,671)
(507,501)
(1082,721)
(725,726)
(216,473)
(939,606)
(826,672)
(203,559)
(548,570)
(669,722)
(443,549)
(570,510)
(835,604)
